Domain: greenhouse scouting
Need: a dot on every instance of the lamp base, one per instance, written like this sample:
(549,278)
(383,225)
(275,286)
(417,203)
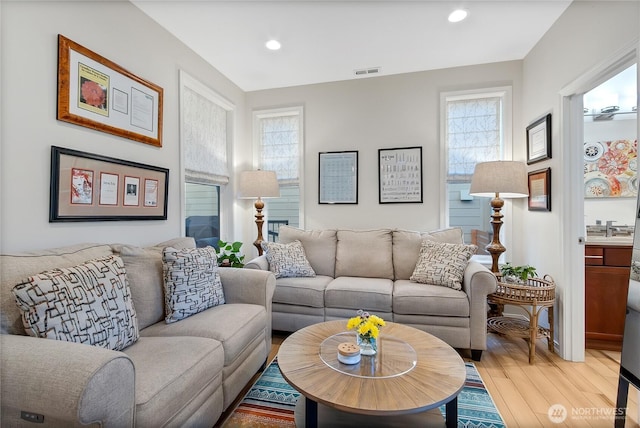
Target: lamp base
(495,247)
(259,222)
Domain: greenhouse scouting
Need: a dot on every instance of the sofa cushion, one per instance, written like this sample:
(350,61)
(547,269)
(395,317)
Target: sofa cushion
(319,247)
(411,298)
(89,303)
(235,325)
(364,253)
(302,291)
(406,247)
(16,267)
(146,279)
(287,260)
(370,294)
(441,263)
(191,282)
(170,373)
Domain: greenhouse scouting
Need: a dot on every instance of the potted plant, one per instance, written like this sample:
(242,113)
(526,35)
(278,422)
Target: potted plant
(229,254)
(517,274)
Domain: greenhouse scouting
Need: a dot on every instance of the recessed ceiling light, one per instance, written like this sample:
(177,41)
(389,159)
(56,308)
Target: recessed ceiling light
(273,45)
(458,15)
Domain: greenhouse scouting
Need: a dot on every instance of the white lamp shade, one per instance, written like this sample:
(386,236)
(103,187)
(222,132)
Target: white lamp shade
(258,184)
(507,178)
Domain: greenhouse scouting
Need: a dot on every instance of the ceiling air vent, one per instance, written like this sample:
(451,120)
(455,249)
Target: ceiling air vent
(367,71)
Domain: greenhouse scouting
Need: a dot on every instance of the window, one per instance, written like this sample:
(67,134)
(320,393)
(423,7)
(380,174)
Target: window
(206,127)
(278,137)
(476,127)
(202,213)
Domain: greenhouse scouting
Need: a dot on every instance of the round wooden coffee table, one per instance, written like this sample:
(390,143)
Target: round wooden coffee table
(412,375)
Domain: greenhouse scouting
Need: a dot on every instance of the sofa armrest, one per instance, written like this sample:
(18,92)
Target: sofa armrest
(68,383)
(250,286)
(259,262)
(478,283)
(247,286)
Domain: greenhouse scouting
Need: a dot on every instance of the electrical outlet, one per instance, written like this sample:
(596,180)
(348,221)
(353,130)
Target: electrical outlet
(32,417)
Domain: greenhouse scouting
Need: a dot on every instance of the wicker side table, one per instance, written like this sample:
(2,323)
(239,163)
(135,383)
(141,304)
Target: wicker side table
(533,296)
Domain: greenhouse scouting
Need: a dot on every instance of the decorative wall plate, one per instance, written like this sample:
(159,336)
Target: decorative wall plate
(596,185)
(593,151)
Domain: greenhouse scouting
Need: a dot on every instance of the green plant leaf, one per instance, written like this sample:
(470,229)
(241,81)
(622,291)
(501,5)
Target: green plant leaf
(230,253)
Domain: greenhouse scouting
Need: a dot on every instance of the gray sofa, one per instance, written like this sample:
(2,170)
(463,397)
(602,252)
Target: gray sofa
(371,270)
(181,374)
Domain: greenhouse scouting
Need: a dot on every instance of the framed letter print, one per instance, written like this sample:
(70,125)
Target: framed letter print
(90,187)
(338,178)
(99,94)
(400,175)
(540,190)
(539,140)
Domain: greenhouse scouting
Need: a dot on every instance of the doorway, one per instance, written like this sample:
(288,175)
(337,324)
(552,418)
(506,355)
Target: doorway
(572,330)
(610,192)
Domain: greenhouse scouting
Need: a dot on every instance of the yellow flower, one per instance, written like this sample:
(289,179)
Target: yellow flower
(363,329)
(377,320)
(365,324)
(353,322)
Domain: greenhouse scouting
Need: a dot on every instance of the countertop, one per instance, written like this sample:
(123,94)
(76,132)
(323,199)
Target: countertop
(610,241)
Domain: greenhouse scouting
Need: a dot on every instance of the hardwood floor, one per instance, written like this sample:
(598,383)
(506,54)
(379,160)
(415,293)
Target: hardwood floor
(524,393)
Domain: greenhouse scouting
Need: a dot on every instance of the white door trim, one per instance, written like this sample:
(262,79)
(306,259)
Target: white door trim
(572,227)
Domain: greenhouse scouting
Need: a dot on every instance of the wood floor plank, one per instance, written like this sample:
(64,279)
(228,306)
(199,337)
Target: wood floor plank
(523,416)
(579,387)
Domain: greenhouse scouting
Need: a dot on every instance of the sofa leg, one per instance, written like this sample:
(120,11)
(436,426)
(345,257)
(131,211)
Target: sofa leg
(476,354)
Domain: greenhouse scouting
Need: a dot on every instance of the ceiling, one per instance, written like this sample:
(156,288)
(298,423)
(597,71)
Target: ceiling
(326,41)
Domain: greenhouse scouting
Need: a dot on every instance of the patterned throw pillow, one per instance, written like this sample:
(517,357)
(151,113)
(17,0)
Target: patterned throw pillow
(441,263)
(287,260)
(89,303)
(191,282)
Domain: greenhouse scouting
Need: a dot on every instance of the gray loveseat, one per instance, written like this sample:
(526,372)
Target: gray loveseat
(371,270)
(181,374)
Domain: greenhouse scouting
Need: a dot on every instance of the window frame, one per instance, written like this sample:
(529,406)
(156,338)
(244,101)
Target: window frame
(277,112)
(506,94)
(225,199)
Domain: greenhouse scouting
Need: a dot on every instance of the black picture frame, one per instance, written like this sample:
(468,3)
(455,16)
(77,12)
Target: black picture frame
(400,175)
(338,177)
(539,140)
(539,183)
(91,187)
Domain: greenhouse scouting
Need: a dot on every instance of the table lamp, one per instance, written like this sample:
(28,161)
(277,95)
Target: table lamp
(258,184)
(499,179)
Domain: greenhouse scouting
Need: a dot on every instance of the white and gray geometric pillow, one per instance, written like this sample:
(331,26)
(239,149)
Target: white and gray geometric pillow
(191,282)
(287,260)
(89,303)
(441,263)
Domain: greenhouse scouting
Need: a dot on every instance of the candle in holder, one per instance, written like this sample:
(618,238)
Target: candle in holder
(348,353)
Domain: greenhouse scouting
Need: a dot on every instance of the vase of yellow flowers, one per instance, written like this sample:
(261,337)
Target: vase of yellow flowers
(367,328)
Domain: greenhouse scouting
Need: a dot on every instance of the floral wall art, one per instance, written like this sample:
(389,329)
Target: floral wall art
(610,169)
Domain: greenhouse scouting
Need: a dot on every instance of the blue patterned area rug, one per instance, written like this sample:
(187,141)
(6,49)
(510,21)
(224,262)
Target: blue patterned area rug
(271,401)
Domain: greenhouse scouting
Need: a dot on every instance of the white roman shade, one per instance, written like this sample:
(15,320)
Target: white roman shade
(205,119)
(280,146)
(473,135)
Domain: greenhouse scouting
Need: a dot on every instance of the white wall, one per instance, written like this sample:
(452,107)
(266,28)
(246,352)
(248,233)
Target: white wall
(575,44)
(381,112)
(121,33)
(562,56)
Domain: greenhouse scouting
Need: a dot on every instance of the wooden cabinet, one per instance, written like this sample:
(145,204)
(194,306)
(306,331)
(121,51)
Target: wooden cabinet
(606,285)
